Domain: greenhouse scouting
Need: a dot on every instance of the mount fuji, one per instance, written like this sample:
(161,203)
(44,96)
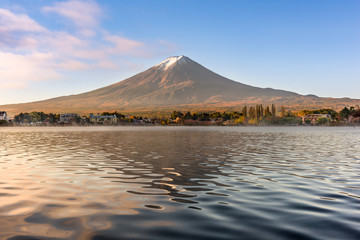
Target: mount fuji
(177,83)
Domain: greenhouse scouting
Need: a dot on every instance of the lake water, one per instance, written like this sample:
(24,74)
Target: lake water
(180,183)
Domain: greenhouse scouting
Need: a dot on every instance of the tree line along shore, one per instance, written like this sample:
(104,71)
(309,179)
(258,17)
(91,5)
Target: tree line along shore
(258,115)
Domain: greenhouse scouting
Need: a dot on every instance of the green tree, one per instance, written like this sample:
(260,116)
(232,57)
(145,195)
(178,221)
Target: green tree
(357,111)
(3,123)
(344,114)
(187,115)
(322,121)
(176,114)
(215,115)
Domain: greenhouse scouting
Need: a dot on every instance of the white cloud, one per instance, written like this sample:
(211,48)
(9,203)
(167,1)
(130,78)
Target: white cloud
(10,22)
(63,44)
(73,65)
(87,33)
(28,42)
(29,52)
(84,14)
(16,70)
(122,45)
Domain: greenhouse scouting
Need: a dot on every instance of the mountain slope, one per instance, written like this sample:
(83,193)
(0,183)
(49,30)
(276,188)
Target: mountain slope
(178,80)
(176,83)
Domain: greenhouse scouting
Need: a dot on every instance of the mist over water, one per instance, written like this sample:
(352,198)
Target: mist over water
(180,182)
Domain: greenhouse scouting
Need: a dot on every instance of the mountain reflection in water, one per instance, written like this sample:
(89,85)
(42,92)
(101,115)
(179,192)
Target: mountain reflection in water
(179,182)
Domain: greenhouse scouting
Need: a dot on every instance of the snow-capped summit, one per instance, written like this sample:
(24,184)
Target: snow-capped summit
(170,61)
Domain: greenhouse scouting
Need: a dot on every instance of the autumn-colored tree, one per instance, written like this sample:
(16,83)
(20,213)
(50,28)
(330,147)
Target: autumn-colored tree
(176,114)
(273,111)
(261,110)
(252,113)
(244,112)
(283,112)
(257,113)
(267,112)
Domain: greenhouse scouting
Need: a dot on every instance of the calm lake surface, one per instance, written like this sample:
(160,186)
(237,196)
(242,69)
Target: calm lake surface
(180,183)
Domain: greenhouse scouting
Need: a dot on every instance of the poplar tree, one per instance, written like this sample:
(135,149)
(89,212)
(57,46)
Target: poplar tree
(252,113)
(267,112)
(244,112)
(273,111)
(261,110)
(282,114)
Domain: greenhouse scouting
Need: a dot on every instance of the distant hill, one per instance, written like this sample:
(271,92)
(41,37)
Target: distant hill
(177,83)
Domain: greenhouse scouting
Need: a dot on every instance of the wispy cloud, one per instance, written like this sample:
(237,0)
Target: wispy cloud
(30,52)
(73,65)
(84,14)
(10,22)
(122,45)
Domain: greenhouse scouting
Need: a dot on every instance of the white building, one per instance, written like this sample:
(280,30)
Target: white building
(4,116)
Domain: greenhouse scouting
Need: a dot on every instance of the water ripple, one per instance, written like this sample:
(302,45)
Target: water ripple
(179,183)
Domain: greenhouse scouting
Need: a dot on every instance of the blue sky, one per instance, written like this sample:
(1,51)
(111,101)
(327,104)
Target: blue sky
(55,48)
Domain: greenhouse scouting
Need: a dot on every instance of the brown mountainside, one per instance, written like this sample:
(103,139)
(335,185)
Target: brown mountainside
(178,83)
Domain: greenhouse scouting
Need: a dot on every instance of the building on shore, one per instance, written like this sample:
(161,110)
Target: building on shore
(107,119)
(313,118)
(4,116)
(68,118)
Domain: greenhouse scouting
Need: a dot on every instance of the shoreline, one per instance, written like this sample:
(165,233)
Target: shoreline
(170,126)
